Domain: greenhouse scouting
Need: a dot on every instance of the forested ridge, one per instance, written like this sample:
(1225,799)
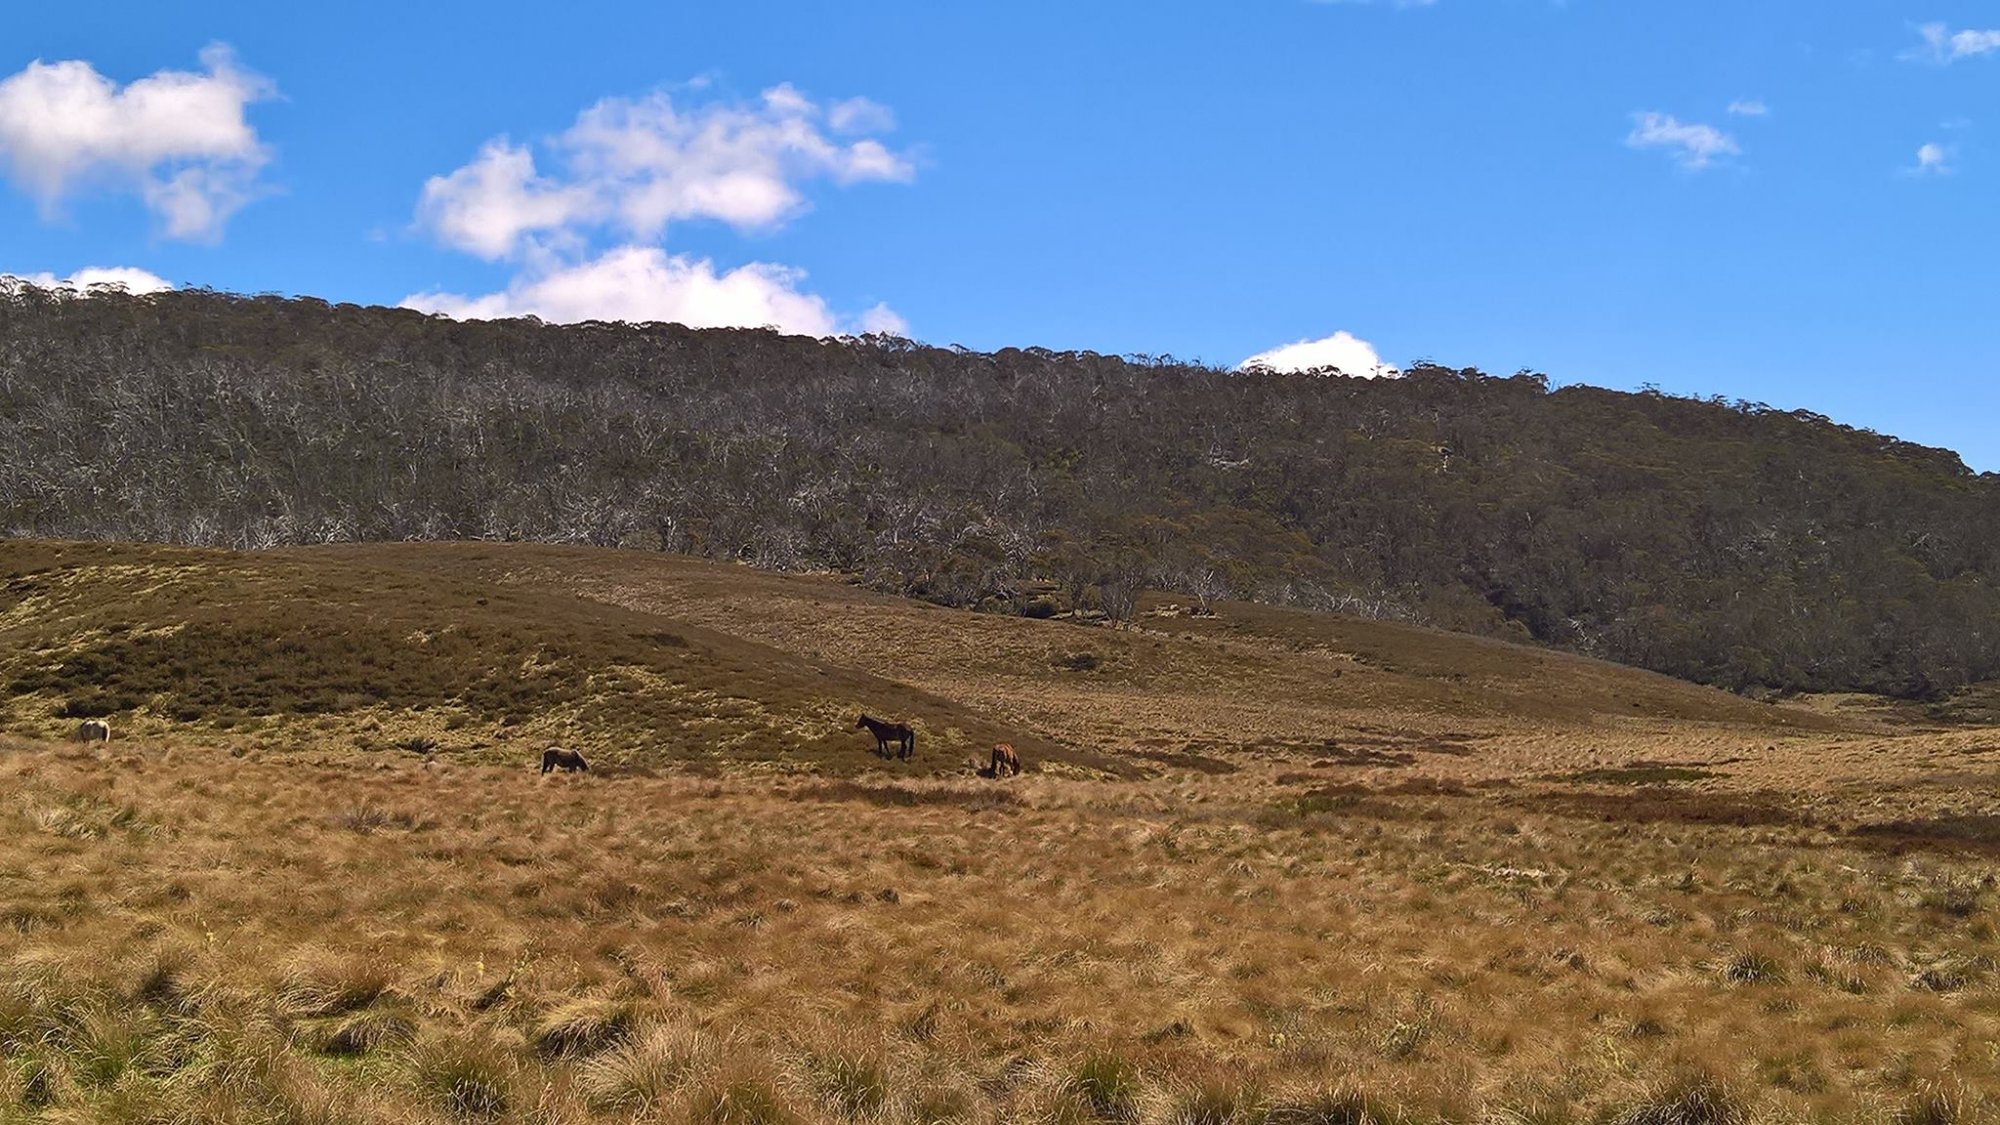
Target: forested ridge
(1728,543)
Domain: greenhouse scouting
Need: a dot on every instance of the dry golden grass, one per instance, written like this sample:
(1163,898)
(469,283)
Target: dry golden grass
(1456,882)
(195,935)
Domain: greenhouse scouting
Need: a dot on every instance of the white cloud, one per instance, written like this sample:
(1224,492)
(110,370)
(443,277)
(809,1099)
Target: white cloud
(1342,351)
(127,278)
(178,139)
(1932,160)
(1695,145)
(624,173)
(490,206)
(883,320)
(1942,45)
(859,115)
(1748,108)
(635,165)
(645,283)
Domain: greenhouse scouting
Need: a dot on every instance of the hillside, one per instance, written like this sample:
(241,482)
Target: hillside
(1729,544)
(491,651)
(307,649)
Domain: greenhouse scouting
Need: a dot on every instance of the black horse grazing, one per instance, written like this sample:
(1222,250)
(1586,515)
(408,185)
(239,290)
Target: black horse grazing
(569,760)
(885,733)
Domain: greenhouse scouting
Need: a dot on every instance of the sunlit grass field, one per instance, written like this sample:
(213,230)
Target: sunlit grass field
(1264,867)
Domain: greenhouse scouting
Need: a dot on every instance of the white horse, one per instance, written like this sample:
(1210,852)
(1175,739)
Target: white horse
(93,730)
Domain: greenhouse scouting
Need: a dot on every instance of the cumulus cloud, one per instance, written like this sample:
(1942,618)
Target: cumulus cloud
(1694,145)
(1748,108)
(126,278)
(626,172)
(1943,45)
(645,283)
(632,166)
(177,139)
(1342,351)
(490,206)
(1932,160)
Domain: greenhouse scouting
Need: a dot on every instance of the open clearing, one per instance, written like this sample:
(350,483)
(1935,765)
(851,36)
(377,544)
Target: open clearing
(1265,866)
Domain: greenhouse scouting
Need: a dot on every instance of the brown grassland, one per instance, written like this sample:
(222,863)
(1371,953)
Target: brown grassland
(1264,867)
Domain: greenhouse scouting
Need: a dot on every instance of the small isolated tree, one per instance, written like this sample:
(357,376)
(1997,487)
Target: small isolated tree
(1118,595)
(1206,584)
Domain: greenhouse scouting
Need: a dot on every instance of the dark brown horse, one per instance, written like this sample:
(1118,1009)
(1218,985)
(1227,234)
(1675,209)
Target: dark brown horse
(568,760)
(885,733)
(1005,762)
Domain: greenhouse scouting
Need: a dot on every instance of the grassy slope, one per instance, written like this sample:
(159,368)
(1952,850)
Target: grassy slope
(492,650)
(312,648)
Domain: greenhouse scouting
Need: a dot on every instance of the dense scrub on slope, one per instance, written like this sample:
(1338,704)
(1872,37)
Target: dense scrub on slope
(1727,543)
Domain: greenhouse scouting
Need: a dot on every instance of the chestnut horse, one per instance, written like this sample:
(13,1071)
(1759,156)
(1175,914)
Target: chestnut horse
(1005,762)
(568,760)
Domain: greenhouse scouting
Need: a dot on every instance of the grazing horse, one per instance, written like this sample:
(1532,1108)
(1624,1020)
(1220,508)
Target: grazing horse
(1005,762)
(885,733)
(93,730)
(569,760)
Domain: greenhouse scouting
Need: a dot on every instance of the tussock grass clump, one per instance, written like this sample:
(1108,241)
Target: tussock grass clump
(164,980)
(364,1032)
(1339,1105)
(1752,966)
(850,1085)
(939,1100)
(1933,1105)
(367,819)
(740,1096)
(1938,978)
(1213,1100)
(583,1027)
(648,1069)
(32,1080)
(468,1077)
(1108,1086)
(325,984)
(100,1044)
(1690,1099)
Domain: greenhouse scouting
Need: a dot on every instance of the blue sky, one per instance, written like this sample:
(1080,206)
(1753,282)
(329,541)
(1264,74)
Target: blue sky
(1787,202)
